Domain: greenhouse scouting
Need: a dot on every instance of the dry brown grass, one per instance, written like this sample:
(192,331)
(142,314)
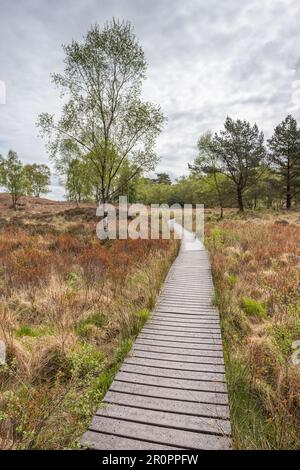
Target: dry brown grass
(256,266)
(70,305)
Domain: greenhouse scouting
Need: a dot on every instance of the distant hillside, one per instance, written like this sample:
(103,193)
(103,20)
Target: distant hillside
(31,204)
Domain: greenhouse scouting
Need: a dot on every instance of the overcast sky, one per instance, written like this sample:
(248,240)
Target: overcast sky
(206,59)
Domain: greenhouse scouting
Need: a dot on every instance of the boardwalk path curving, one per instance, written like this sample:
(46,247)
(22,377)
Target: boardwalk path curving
(170,392)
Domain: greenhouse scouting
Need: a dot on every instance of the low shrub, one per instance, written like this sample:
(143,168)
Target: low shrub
(253,308)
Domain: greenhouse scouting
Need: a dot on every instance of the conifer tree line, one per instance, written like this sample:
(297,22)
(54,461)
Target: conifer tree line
(260,172)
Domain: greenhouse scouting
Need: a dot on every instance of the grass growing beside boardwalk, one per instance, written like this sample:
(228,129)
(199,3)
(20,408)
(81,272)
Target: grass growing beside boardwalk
(256,269)
(71,307)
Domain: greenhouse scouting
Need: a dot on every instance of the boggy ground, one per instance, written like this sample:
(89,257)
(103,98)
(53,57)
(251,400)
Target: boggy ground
(256,267)
(71,306)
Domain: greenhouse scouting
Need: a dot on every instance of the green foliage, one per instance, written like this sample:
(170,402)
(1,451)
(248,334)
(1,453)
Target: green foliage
(206,163)
(25,330)
(284,338)
(216,235)
(73,279)
(12,176)
(232,279)
(284,156)
(126,181)
(81,184)
(104,121)
(20,180)
(163,178)
(95,319)
(85,362)
(123,349)
(37,179)
(186,190)
(106,378)
(251,429)
(252,307)
(139,319)
(216,238)
(286,333)
(239,151)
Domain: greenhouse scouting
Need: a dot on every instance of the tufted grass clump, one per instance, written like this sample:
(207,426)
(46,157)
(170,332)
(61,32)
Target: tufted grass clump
(253,308)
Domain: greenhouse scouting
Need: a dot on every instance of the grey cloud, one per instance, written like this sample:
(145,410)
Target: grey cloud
(206,60)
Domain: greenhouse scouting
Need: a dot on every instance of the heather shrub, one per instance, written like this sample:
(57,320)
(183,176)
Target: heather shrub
(68,315)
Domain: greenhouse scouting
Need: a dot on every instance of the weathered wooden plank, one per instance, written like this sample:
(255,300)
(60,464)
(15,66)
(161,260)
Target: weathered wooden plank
(176,374)
(205,313)
(182,304)
(185,293)
(183,335)
(182,351)
(171,393)
(183,310)
(185,282)
(189,321)
(175,364)
(182,384)
(189,283)
(204,359)
(195,324)
(159,434)
(171,420)
(99,441)
(197,293)
(178,345)
(172,328)
(194,284)
(189,327)
(187,309)
(164,404)
(201,339)
(183,318)
(198,277)
(194,302)
(193,289)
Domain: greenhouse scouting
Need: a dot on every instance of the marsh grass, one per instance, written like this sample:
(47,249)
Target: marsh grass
(71,307)
(256,274)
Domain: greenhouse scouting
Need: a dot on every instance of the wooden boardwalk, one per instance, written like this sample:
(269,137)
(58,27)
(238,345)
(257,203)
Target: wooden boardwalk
(170,392)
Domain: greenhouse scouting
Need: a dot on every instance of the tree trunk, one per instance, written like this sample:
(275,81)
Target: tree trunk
(255,202)
(219,196)
(14,202)
(288,189)
(240,199)
(288,196)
